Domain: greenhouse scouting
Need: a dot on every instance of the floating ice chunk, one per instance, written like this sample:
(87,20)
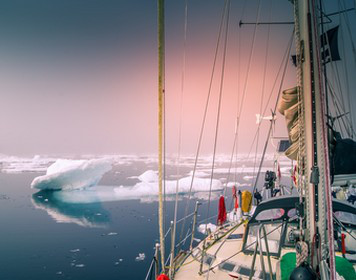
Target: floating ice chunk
(141,257)
(112,233)
(74,250)
(72,174)
(118,262)
(202,227)
(80,265)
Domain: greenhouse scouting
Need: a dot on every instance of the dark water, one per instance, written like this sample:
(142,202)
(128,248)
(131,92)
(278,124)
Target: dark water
(42,237)
(98,240)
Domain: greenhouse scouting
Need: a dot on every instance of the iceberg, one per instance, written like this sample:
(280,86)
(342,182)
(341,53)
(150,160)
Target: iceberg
(65,174)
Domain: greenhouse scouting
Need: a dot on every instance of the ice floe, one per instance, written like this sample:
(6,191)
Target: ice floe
(74,250)
(141,257)
(149,188)
(13,164)
(67,174)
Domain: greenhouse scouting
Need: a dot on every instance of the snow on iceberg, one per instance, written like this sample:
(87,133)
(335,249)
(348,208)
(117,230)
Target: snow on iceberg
(67,174)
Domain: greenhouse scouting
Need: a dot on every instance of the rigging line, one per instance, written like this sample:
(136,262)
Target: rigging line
(339,98)
(345,72)
(269,98)
(347,20)
(338,111)
(203,121)
(230,166)
(238,91)
(240,104)
(161,62)
(273,113)
(249,60)
(263,87)
(324,66)
(219,104)
(345,229)
(235,142)
(180,130)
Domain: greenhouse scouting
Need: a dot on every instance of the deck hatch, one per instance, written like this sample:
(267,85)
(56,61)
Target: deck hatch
(208,259)
(235,236)
(245,271)
(228,266)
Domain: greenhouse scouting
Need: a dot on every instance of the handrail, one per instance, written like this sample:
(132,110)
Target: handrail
(259,246)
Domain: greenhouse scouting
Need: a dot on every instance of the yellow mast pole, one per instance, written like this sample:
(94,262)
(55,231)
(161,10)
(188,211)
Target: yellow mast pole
(161,63)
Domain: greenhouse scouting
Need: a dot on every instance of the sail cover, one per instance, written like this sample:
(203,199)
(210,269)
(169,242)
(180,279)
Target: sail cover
(343,158)
(288,107)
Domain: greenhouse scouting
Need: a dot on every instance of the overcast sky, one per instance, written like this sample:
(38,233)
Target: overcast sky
(80,77)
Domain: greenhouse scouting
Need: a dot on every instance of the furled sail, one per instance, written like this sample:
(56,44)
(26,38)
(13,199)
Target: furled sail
(288,107)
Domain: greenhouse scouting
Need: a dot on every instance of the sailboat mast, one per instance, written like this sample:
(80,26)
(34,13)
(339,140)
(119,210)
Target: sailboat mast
(161,63)
(313,151)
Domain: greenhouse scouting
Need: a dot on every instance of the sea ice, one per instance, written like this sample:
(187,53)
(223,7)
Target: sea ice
(13,164)
(149,185)
(141,257)
(67,174)
(74,250)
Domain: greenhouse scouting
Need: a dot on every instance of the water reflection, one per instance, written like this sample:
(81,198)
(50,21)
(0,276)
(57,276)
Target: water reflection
(90,215)
(83,207)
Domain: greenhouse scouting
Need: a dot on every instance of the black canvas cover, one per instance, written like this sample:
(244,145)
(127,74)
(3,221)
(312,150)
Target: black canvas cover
(344,157)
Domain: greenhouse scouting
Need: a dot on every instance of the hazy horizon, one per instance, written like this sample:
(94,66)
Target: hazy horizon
(80,77)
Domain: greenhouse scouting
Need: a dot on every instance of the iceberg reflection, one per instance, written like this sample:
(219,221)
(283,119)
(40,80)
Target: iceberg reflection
(90,214)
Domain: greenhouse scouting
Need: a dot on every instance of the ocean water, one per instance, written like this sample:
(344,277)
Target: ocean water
(43,236)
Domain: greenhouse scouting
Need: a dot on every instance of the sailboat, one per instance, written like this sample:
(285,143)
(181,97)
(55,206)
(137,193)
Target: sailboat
(310,235)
